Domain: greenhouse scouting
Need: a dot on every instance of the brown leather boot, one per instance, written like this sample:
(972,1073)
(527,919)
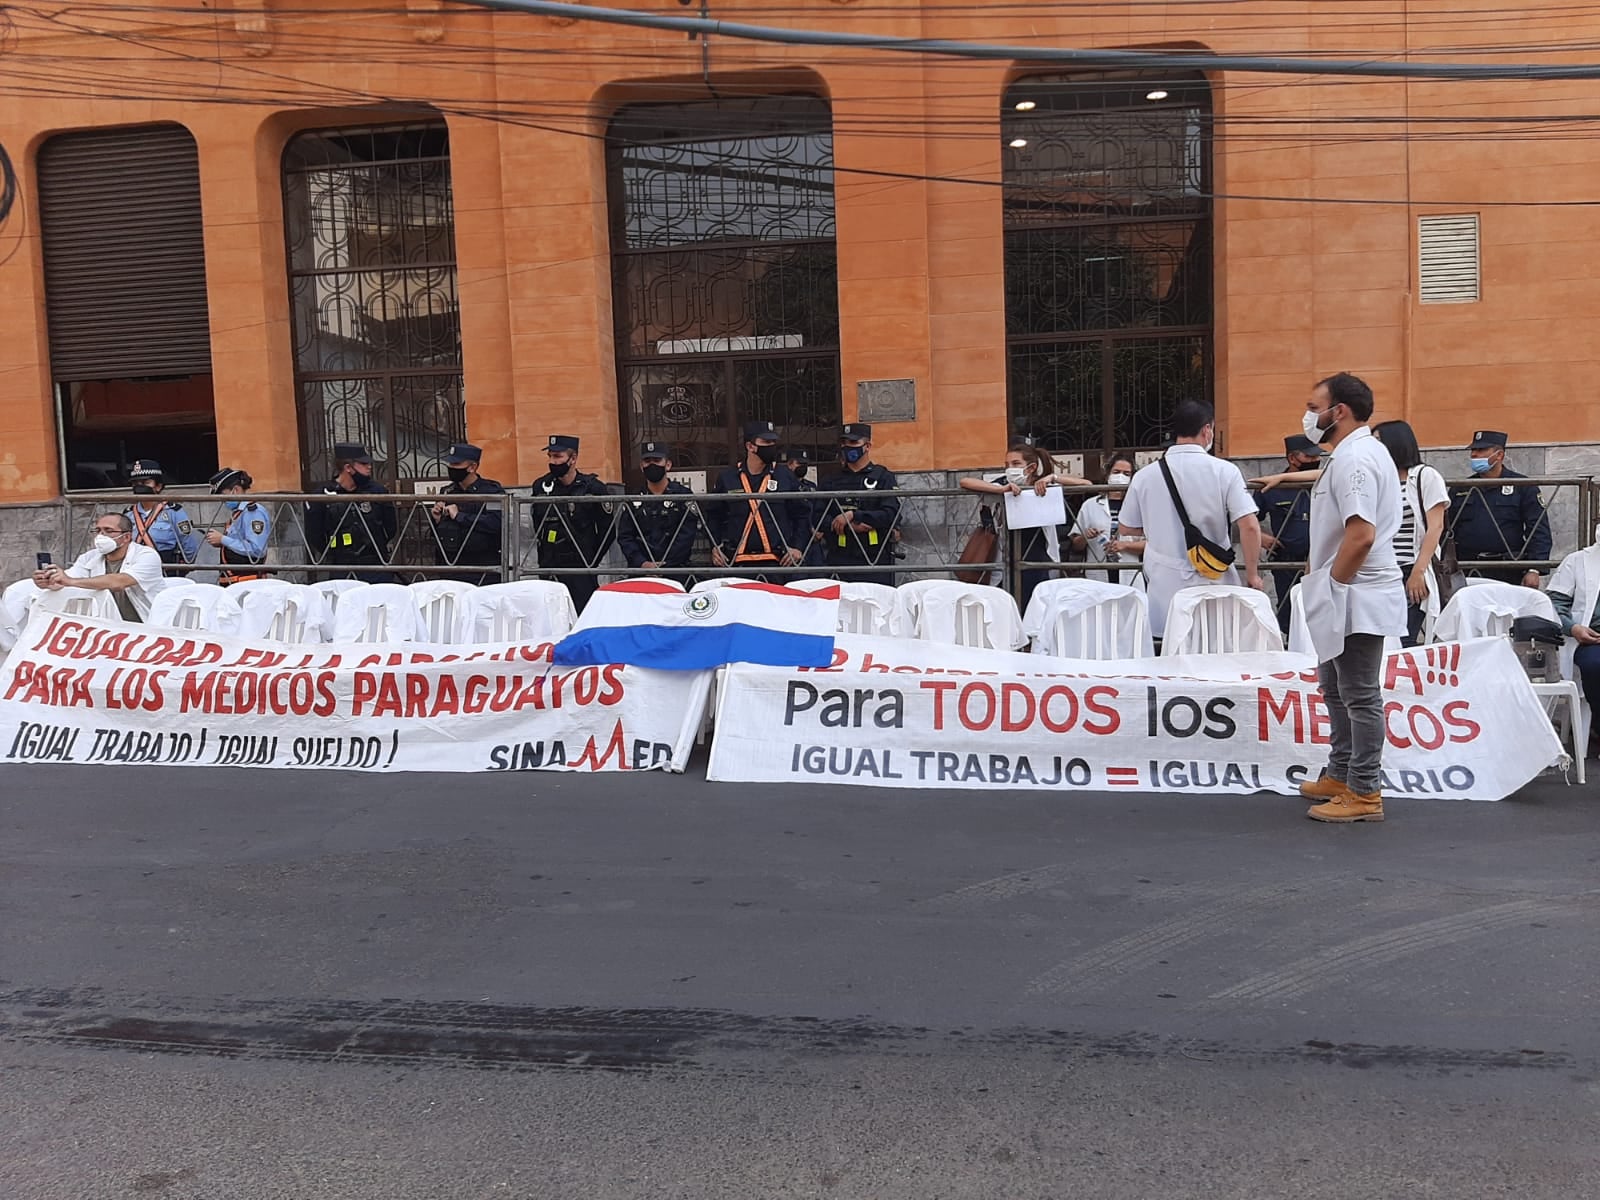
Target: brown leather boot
(1325,788)
(1347,807)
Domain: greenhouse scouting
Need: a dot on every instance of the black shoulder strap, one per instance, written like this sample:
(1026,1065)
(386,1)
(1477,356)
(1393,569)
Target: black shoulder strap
(1177,500)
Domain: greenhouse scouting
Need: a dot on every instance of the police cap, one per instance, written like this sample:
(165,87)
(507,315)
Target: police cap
(145,468)
(755,431)
(655,450)
(464,452)
(797,454)
(562,441)
(230,477)
(1488,437)
(350,452)
(1299,443)
(857,432)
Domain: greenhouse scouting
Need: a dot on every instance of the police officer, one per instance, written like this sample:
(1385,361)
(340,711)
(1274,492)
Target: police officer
(359,531)
(1287,514)
(467,532)
(1498,524)
(243,541)
(162,525)
(798,460)
(571,535)
(658,533)
(754,534)
(858,523)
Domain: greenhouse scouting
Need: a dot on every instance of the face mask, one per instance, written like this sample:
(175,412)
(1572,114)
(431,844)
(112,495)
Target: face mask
(144,487)
(457,474)
(105,544)
(1314,429)
(1479,465)
(1017,475)
(558,470)
(1119,479)
(655,472)
(767,454)
(234,505)
(853,454)
(799,471)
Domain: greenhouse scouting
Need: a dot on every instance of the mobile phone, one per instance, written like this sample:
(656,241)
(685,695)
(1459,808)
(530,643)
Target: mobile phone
(42,560)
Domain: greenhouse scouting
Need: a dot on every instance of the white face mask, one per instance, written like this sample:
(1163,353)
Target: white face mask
(105,544)
(1017,475)
(1119,479)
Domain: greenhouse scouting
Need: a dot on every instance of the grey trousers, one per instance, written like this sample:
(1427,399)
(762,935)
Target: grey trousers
(1350,685)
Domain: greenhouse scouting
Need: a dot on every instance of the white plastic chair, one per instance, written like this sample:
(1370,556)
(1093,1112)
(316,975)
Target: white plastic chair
(1487,609)
(868,608)
(292,613)
(908,600)
(447,609)
(812,585)
(1220,620)
(265,584)
(16,601)
(332,589)
(1577,716)
(707,585)
(672,583)
(378,613)
(967,614)
(75,602)
(166,583)
(529,610)
(1088,618)
(199,606)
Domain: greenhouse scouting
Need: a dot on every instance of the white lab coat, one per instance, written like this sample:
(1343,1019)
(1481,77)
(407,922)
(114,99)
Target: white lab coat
(143,563)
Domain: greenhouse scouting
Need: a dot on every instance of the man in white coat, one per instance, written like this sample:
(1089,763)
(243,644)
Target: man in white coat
(1215,497)
(1354,595)
(116,563)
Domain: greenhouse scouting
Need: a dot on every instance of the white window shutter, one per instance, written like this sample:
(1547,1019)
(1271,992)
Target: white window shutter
(1447,259)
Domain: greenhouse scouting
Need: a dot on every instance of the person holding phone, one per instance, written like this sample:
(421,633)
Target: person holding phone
(114,563)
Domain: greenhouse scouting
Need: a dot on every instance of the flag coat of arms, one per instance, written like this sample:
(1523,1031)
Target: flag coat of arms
(644,623)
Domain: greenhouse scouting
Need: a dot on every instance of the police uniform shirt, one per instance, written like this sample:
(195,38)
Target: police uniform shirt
(358,527)
(787,524)
(170,530)
(1504,522)
(248,532)
(476,523)
(1288,516)
(575,533)
(869,495)
(656,529)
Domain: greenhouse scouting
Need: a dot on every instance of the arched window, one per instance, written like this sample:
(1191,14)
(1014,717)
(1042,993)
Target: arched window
(1107,183)
(725,277)
(370,222)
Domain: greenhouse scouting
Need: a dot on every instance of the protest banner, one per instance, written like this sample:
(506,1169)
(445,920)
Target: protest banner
(80,690)
(1461,719)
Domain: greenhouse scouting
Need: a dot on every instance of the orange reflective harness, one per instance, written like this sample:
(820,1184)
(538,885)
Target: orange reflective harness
(142,525)
(754,521)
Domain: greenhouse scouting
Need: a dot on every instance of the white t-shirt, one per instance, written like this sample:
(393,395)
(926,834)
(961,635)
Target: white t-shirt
(1423,490)
(1359,480)
(143,563)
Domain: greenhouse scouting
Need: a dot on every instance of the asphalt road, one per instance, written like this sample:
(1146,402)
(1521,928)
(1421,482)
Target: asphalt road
(233,984)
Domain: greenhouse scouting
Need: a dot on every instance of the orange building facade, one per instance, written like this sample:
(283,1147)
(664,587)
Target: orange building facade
(889,236)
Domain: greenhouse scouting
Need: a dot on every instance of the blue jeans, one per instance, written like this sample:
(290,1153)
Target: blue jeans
(1586,662)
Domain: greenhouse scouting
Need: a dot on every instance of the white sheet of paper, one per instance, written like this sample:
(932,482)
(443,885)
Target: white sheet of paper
(1033,511)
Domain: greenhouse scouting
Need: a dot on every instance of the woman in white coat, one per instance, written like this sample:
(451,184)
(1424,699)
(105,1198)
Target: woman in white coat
(1575,591)
(1095,531)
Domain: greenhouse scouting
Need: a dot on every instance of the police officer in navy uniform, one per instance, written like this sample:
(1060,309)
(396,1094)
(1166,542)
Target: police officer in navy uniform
(858,522)
(798,460)
(467,532)
(571,535)
(750,535)
(162,525)
(358,532)
(243,541)
(659,533)
(1287,515)
(1498,524)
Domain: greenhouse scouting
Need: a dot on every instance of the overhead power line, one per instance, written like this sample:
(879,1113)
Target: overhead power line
(1143,60)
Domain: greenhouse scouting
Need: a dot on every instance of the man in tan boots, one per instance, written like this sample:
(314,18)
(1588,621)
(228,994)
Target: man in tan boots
(1353,595)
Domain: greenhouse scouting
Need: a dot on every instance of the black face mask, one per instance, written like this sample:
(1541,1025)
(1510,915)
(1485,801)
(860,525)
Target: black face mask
(458,474)
(655,472)
(799,471)
(144,488)
(559,470)
(767,454)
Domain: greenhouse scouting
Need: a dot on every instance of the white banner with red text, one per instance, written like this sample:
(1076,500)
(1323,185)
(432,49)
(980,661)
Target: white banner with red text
(1461,720)
(78,690)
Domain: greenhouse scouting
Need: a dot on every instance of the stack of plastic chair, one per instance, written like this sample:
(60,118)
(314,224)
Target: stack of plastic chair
(447,609)
(908,603)
(1221,620)
(672,583)
(967,614)
(332,589)
(378,613)
(203,606)
(529,610)
(1487,609)
(1088,618)
(869,608)
(292,613)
